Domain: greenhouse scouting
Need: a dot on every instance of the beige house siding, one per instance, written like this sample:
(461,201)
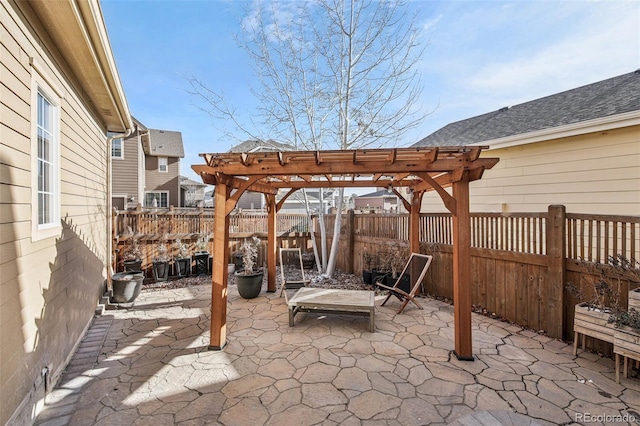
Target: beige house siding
(49,288)
(593,173)
(127,173)
(161,181)
(250,201)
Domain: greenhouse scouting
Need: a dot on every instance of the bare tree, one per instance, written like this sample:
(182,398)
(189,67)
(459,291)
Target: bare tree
(332,74)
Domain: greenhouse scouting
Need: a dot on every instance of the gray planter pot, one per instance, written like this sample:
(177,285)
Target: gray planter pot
(126,286)
(249,286)
(183,266)
(160,270)
(132,265)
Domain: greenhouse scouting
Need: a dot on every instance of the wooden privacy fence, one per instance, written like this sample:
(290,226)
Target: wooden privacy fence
(520,262)
(191,221)
(154,227)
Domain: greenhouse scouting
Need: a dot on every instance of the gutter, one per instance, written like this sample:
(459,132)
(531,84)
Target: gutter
(109,212)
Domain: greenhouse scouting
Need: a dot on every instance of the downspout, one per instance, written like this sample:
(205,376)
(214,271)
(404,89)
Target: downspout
(109,212)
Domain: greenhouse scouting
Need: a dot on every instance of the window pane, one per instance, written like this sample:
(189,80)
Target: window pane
(116,148)
(46,159)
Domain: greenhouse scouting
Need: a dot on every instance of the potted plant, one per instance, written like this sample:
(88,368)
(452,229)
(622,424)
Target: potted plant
(397,262)
(132,255)
(183,261)
(249,279)
(161,261)
(201,256)
(380,272)
(367,265)
(126,286)
(592,315)
(308,259)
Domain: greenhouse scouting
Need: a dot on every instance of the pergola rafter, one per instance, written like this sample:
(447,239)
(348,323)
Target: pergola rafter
(420,169)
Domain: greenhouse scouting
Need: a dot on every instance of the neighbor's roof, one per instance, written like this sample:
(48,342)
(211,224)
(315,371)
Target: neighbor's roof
(185,181)
(165,143)
(378,194)
(607,98)
(260,146)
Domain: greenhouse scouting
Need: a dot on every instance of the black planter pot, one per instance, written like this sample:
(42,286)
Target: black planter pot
(201,264)
(378,276)
(367,277)
(132,265)
(308,262)
(126,286)
(405,283)
(160,270)
(183,266)
(249,286)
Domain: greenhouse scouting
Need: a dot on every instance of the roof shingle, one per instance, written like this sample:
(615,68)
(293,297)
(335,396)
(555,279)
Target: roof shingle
(605,98)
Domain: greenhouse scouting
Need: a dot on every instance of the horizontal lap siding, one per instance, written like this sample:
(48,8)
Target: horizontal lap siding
(126,171)
(156,181)
(49,288)
(593,173)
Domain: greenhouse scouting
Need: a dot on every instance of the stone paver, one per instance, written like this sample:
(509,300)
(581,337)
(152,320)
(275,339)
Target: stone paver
(149,364)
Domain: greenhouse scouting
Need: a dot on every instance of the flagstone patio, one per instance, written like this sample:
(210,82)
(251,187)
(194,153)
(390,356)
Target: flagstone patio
(149,365)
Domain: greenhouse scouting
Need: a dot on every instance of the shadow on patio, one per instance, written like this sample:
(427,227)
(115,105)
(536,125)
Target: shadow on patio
(154,368)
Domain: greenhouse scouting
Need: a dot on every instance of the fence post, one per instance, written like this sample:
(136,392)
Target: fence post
(172,225)
(140,228)
(349,228)
(557,272)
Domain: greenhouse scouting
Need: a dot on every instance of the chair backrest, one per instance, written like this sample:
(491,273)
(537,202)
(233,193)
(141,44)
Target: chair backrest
(416,267)
(299,253)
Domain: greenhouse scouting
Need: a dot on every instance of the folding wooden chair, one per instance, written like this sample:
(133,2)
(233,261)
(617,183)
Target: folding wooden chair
(416,268)
(292,282)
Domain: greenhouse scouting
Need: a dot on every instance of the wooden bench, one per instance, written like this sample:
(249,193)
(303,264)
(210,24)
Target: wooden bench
(333,301)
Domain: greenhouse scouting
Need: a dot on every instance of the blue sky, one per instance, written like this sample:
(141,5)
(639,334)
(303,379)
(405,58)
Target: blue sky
(482,55)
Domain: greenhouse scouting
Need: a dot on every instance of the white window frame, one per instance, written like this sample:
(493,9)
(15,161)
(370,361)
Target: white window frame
(160,206)
(166,164)
(121,142)
(43,87)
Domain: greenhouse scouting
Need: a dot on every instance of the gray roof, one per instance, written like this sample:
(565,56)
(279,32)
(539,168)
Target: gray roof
(188,182)
(257,145)
(605,98)
(378,194)
(165,143)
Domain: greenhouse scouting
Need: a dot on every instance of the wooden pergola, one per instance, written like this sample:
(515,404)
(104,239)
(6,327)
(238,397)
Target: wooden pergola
(420,169)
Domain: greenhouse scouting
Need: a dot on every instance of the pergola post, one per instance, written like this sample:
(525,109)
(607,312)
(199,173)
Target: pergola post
(219,276)
(271,243)
(462,270)
(414,221)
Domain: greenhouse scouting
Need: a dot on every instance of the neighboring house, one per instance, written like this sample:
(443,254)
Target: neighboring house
(255,200)
(382,201)
(60,96)
(163,150)
(192,192)
(579,148)
(127,168)
(146,167)
(295,203)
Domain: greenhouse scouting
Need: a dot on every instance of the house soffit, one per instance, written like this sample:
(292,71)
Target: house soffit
(418,168)
(77,30)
